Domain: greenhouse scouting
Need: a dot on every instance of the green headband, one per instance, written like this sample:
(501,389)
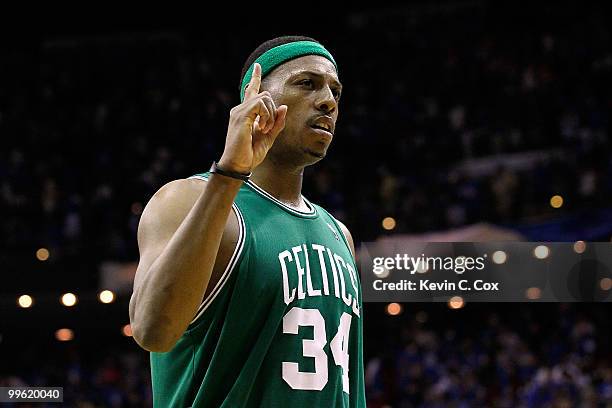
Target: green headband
(281,54)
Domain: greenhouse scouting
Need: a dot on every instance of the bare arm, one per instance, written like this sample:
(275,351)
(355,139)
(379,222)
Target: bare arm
(179,236)
(349,237)
(186,232)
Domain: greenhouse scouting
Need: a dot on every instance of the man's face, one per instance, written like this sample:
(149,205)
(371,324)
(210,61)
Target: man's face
(310,88)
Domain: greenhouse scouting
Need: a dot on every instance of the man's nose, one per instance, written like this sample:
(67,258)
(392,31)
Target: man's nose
(326,102)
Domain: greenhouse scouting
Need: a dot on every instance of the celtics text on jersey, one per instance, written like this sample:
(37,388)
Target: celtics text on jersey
(282,326)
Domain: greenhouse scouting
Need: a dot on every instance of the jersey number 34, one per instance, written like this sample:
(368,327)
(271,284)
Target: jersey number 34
(300,380)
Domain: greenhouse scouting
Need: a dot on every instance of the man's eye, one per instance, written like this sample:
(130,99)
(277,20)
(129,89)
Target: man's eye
(306,82)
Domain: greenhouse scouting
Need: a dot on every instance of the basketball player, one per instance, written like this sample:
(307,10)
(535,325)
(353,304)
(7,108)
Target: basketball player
(246,293)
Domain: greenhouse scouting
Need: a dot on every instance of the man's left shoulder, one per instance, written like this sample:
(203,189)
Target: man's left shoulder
(347,234)
(343,228)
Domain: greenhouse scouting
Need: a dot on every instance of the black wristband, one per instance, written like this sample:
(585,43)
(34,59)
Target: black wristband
(233,174)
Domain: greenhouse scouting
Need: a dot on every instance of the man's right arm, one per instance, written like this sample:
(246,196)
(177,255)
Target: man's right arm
(179,236)
(181,232)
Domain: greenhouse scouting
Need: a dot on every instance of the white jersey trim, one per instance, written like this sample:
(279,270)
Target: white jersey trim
(261,191)
(206,302)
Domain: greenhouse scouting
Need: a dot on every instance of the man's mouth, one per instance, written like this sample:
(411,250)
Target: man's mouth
(323,124)
(323,128)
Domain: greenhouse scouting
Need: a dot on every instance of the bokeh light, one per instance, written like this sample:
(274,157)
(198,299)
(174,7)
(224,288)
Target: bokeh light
(127,330)
(106,296)
(394,309)
(389,223)
(499,257)
(69,299)
(556,201)
(64,334)
(533,293)
(42,254)
(605,284)
(456,302)
(541,252)
(25,301)
(579,247)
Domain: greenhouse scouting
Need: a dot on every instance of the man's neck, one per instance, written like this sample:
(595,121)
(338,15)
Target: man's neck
(282,182)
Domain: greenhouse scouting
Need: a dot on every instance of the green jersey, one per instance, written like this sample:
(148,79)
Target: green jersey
(282,327)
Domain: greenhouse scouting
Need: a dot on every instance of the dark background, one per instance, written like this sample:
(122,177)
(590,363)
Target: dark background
(452,114)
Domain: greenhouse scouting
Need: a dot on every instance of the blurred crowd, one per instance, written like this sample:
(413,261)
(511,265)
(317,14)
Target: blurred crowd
(513,356)
(93,126)
(495,360)
(450,114)
(114,378)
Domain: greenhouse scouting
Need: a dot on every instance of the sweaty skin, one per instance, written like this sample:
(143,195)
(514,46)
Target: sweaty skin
(309,86)
(188,229)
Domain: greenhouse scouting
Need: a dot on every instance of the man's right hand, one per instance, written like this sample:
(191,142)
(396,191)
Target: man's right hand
(186,235)
(253,128)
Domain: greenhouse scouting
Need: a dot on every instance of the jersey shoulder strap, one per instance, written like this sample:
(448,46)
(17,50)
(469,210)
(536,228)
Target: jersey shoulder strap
(335,223)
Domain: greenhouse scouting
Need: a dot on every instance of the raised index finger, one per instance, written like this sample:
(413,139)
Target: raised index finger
(253,87)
